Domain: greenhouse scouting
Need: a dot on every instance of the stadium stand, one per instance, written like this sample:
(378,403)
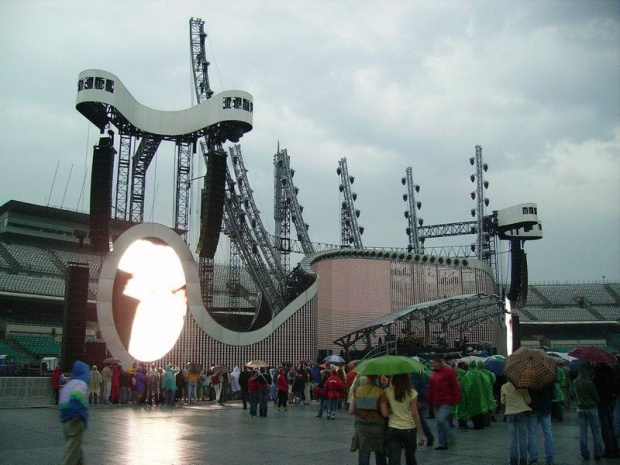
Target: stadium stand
(37,285)
(31,258)
(6,349)
(94,261)
(38,345)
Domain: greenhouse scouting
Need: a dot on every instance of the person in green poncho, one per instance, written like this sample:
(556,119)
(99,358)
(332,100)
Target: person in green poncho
(461,412)
(478,394)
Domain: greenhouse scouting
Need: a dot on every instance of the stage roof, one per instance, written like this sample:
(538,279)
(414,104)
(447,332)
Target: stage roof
(460,311)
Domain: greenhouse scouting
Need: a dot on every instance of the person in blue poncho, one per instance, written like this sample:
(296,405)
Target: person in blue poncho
(73,401)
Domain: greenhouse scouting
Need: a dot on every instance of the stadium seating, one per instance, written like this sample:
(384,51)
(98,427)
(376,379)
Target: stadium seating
(39,345)
(94,261)
(31,258)
(6,349)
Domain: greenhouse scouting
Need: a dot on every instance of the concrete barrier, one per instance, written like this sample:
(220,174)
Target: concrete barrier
(26,391)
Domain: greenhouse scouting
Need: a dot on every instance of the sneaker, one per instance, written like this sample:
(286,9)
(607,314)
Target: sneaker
(278,409)
(333,416)
(430,442)
(441,448)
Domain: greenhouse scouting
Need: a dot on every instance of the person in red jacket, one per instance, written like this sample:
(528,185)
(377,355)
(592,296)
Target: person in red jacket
(334,386)
(253,393)
(282,387)
(56,382)
(443,393)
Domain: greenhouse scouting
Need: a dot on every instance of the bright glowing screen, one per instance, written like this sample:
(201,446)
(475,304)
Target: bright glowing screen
(158,283)
(508,319)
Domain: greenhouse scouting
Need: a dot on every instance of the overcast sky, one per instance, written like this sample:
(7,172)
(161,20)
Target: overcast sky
(385,84)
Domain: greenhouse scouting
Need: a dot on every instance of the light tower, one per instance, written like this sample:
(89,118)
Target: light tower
(416,244)
(350,232)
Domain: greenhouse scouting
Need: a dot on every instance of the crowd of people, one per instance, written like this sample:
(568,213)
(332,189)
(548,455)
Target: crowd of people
(391,412)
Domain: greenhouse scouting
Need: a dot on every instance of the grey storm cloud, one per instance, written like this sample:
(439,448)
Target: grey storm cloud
(385,84)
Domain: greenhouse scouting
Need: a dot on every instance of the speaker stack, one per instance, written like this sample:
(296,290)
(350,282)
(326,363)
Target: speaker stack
(101,194)
(74,320)
(212,204)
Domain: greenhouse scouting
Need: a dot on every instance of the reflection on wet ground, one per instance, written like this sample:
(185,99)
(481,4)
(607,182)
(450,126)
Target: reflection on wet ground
(208,433)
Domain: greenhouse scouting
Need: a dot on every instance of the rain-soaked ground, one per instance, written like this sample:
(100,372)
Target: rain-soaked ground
(209,433)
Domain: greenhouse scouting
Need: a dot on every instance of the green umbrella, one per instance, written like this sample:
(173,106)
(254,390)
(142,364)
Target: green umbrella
(389,365)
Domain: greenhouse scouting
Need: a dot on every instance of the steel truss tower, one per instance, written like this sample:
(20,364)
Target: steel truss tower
(350,232)
(247,242)
(287,202)
(415,244)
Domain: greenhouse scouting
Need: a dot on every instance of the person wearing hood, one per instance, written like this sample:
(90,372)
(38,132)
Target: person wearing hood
(235,387)
(94,385)
(587,412)
(74,412)
(169,385)
(140,385)
(477,394)
(334,387)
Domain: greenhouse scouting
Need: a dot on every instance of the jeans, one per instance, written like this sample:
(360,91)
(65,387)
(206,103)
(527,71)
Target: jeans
(168,396)
(125,394)
(364,458)
(606,417)
(107,388)
(517,429)
(92,398)
(398,439)
(191,390)
(544,420)
(263,398)
(322,401)
(253,403)
(590,417)
(617,418)
(442,415)
(423,411)
(332,406)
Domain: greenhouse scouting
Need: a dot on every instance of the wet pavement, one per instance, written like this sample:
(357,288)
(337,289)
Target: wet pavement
(209,433)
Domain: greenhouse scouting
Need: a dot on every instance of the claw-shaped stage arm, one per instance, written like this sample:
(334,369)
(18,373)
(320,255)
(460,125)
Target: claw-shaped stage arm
(103,99)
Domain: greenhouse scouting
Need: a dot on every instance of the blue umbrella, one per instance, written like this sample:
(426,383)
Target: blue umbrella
(495,366)
(334,359)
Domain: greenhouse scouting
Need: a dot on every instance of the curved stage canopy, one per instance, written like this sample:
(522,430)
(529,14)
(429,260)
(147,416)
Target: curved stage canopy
(103,99)
(460,311)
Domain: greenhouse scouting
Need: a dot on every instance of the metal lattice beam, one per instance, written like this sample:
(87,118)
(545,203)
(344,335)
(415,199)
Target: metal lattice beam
(284,175)
(122,177)
(415,244)
(141,160)
(261,237)
(350,232)
(183,184)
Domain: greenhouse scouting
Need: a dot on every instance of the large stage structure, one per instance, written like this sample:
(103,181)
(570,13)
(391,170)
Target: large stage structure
(285,307)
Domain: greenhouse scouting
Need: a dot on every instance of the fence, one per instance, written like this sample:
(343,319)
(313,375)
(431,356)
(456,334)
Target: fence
(25,391)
